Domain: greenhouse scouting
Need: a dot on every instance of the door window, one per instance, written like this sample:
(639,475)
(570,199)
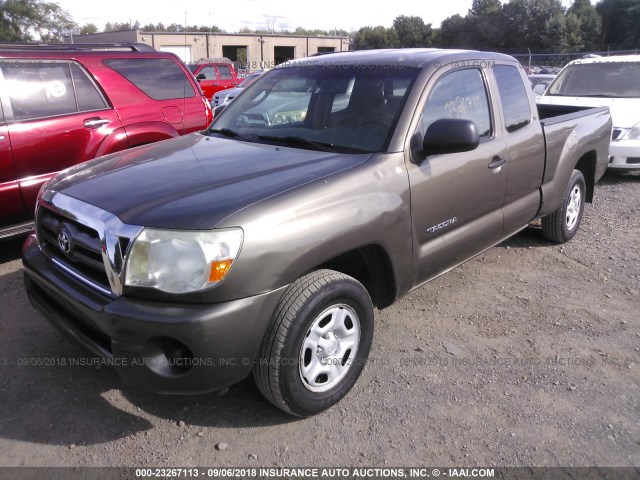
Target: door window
(88,96)
(48,89)
(208,72)
(39,89)
(459,94)
(514,97)
(225,72)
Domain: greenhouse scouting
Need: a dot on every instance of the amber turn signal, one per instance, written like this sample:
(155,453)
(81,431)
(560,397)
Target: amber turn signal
(219,270)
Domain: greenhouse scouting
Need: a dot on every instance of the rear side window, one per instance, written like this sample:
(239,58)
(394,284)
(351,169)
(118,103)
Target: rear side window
(225,72)
(459,94)
(514,97)
(86,92)
(159,78)
(39,89)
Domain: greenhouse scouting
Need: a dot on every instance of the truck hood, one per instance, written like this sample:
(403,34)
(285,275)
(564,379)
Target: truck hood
(625,112)
(195,181)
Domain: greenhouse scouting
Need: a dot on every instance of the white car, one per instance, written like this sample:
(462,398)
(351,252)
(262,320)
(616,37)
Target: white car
(612,82)
(225,96)
(540,82)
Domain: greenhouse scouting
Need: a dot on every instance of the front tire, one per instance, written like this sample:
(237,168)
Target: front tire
(562,225)
(318,343)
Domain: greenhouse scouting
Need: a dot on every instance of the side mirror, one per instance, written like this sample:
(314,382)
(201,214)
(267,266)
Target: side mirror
(219,109)
(450,135)
(201,76)
(539,89)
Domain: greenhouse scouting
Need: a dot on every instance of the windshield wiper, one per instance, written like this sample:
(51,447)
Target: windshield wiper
(293,140)
(593,95)
(227,132)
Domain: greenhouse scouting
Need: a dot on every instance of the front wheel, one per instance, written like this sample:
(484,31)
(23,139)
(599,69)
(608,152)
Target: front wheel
(562,225)
(318,343)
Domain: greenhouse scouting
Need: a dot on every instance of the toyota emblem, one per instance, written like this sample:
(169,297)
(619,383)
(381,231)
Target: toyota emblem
(64,241)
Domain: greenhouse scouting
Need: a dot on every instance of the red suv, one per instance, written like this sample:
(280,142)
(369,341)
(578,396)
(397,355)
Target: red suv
(63,104)
(214,76)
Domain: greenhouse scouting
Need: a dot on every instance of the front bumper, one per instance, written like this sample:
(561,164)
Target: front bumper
(624,154)
(153,346)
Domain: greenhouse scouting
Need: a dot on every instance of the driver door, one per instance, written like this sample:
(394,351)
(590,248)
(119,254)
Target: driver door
(457,198)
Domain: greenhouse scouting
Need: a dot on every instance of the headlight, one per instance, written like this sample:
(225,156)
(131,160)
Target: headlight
(294,116)
(633,133)
(181,261)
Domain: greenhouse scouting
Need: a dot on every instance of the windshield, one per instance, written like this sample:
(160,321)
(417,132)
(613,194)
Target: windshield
(346,109)
(603,79)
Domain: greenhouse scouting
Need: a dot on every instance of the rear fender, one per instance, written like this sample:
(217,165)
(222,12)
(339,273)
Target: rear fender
(585,146)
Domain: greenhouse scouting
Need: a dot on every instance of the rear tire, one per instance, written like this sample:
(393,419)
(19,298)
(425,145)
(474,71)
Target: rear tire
(318,343)
(562,225)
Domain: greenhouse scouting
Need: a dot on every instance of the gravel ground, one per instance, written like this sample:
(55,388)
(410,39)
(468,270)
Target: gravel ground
(528,355)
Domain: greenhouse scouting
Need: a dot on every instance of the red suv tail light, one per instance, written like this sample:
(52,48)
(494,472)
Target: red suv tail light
(207,110)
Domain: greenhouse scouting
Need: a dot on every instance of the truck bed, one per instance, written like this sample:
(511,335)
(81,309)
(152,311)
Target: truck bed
(569,131)
(552,114)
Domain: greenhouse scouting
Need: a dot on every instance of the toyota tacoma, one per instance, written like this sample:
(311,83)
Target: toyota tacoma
(332,186)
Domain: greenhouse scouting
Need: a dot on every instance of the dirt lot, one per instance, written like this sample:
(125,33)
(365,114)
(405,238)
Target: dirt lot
(528,355)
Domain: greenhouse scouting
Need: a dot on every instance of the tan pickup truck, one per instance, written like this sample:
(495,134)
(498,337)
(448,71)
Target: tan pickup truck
(331,186)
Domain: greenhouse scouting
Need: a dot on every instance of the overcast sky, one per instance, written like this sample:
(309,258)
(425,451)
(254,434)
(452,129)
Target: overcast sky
(232,15)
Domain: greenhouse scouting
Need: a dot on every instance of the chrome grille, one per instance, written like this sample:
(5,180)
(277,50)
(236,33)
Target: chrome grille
(84,241)
(85,255)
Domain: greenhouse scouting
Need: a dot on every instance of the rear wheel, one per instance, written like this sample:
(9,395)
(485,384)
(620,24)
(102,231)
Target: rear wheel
(318,344)
(562,225)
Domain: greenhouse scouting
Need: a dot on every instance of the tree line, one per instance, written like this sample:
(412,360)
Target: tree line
(513,26)
(517,25)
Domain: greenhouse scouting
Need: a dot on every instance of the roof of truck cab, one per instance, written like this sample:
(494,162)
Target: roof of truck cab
(406,57)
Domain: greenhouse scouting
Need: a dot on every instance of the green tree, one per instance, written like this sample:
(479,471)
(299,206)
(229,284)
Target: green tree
(117,26)
(589,28)
(620,20)
(175,27)
(412,32)
(453,33)
(484,25)
(88,28)
(485,8)
(368,38)
(532,23)
(29,20)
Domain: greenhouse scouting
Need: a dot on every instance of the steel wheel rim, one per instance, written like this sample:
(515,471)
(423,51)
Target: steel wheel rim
(329,348)
(573,207)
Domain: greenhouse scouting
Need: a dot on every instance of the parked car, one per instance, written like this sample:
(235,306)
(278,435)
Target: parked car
(225,96)
(540,82)
(214,75)
(261,246)
(613,82)
(63,104)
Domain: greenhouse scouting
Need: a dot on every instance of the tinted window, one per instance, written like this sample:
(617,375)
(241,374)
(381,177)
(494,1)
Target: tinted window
(225,72)
(159,78)
(514,97)
(39,90)
(86,92)
(459,94)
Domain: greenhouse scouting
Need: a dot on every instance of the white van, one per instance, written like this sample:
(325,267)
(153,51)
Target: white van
(613,82)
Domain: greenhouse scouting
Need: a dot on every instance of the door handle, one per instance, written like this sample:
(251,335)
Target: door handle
(2,137)
(497,162)
(95,122)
